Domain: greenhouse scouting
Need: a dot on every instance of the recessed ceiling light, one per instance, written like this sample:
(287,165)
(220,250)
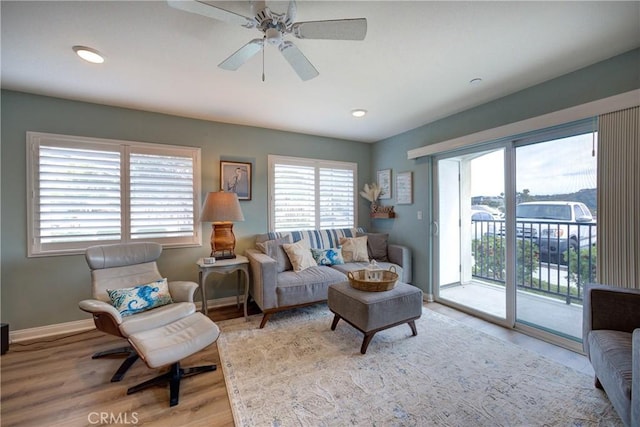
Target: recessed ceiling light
(475,81)
(358,112)
(88,54)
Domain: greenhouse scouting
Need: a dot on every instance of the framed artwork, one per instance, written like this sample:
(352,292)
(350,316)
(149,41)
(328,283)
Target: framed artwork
(404,188)
(235,177)
(384,181)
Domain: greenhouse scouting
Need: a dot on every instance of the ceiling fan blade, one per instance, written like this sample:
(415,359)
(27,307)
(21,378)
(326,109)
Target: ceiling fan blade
(242,55)
(339,29)
(205,9)
(298,61)
(291,13)
(257,6)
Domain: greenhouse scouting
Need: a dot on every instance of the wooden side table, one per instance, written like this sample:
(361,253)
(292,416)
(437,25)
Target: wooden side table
(225,266)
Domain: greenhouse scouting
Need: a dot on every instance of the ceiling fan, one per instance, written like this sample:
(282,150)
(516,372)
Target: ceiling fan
(275,27)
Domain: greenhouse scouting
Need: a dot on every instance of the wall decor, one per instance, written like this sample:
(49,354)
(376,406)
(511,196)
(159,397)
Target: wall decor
(235,177)
(384,181)
(404,188)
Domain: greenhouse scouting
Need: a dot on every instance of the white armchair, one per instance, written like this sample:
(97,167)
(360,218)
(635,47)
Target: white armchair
(128,265)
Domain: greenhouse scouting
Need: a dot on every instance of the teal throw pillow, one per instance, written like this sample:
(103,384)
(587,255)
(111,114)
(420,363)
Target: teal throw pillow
(140,298)
(332,256)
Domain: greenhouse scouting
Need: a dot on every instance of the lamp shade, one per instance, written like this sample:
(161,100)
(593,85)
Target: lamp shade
(221,207)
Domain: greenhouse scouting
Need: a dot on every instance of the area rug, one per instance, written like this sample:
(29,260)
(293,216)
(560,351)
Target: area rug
(297,372)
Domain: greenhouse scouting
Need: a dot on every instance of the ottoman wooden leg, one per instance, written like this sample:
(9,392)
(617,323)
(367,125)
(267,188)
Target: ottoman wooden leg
(412,325)
(336,319)
(367,339)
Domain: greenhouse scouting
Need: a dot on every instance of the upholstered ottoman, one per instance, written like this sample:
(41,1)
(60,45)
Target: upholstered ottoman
(370,312)
(169,344)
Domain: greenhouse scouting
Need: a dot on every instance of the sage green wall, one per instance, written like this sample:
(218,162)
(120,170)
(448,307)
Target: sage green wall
(44,291)
(607,78)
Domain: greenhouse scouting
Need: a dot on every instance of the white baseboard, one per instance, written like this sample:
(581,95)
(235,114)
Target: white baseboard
(87,324)
(51,330)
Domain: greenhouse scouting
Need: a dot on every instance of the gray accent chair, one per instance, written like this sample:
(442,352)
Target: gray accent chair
(611,340)
(126,265)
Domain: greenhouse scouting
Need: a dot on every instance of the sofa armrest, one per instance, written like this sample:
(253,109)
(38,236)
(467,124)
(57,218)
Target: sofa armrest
(182,291)
(263,281)
(401,255)
(635,379)
(608,307)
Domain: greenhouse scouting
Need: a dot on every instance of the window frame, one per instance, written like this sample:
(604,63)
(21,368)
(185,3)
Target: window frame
(316,164)
(35,248)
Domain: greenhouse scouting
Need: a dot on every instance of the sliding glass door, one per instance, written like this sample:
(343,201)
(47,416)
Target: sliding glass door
(555,231)
(515,229)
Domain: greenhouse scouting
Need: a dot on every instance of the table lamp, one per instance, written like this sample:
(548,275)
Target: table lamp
(221,209)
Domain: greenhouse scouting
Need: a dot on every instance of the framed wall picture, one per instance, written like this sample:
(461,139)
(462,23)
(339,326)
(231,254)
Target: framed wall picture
(404,188)
(235,177)
(384,181)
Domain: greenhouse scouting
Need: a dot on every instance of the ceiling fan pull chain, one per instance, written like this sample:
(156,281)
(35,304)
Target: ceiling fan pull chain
(263,40)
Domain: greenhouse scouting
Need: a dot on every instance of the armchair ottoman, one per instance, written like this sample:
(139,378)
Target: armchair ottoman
(119,266)
(169,344)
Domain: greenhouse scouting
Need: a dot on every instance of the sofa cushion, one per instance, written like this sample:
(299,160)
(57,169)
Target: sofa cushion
(332,256)
(319,239)
(273,248)
(300,255)
(614,353)
(377,245)
(354,249)
(611,357)
(309,285)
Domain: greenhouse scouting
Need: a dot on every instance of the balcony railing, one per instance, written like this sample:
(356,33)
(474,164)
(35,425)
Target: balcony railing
(552,258)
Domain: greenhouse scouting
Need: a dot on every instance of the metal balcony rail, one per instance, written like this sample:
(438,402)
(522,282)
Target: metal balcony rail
(552,258)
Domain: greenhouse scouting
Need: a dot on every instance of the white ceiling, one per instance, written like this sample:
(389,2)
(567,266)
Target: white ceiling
(413,67)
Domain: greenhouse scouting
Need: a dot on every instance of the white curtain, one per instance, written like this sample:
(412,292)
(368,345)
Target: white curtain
(619,198)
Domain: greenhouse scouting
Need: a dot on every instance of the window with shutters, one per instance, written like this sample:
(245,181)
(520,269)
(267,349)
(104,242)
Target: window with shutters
(88,191)
(311,194)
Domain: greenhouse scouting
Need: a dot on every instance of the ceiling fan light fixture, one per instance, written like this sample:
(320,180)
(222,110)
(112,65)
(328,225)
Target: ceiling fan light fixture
(275,27)
(358,112)
(89,54)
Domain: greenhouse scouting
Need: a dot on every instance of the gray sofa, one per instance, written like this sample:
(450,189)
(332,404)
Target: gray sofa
(611,340)
(275,286)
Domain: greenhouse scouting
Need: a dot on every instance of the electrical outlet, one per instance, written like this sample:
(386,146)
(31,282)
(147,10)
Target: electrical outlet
(419,215)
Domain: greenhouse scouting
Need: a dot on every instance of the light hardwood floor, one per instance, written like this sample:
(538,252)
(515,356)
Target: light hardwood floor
(55,382)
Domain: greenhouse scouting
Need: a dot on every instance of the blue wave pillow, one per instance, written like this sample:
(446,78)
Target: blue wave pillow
(331,256)
(140,298)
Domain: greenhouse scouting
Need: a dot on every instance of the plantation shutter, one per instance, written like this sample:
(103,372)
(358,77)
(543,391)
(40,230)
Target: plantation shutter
(311,194)
(294,197)
(87,191)
(79,195)
(336,198)
(161,196)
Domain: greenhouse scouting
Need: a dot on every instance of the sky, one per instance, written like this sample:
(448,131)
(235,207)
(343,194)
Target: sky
(555,167)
